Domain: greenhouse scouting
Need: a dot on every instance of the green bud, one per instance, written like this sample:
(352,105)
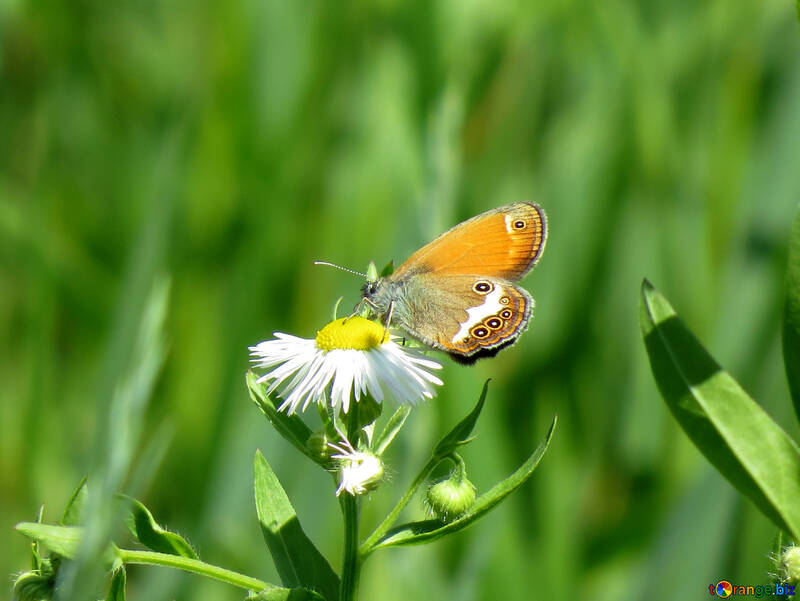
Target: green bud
(35,585)
(317,443)
(451,498)
(790,565)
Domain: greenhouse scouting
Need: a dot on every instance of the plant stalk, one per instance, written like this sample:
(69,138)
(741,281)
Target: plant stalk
(195,566)
(383,527)
(351,568)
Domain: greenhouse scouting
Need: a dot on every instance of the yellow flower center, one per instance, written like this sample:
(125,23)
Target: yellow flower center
(351,333)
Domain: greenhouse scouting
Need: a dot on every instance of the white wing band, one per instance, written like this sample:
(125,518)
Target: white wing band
(490,306)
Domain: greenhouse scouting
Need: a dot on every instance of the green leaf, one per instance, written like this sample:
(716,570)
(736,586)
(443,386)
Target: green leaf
(299,563)
(734,433)
(391,429)
(116,590)
(72,512)
(791,317)
(147,531)
(62,540)
(278,593)
(425,531)
(388,269)
(460,434)
(367,410)
(291,427)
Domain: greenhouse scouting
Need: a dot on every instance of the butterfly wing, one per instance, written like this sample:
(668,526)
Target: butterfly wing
(504,243)
(468,316)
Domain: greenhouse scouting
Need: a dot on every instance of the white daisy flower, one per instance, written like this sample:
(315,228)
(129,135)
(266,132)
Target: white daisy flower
(359,471)
(350,354)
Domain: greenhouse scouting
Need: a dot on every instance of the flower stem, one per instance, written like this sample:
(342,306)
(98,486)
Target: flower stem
(383,527)
(191,565)
(351,568)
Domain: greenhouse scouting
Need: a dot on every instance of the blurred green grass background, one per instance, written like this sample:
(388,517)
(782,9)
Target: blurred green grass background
(228,145)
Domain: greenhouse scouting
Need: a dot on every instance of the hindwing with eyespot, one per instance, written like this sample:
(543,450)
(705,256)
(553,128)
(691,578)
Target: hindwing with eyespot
(464,314)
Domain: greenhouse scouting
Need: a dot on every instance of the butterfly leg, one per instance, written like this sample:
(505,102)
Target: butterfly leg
(388,319)
(357,308)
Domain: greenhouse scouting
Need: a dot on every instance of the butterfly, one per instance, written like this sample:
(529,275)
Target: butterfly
(457,294)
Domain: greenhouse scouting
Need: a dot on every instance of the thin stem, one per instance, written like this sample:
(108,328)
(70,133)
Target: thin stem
(351,568)
(191,565)
(382,528)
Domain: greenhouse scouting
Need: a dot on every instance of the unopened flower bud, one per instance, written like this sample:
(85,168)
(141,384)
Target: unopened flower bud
(319,444)
(452,497)
(35,585)
(790,565)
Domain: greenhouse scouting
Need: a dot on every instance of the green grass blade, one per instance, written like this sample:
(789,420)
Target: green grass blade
(426,531)
(297,560)
(791,317)
(734,433)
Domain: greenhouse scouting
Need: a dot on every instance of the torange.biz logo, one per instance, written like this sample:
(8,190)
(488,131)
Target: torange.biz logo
(723,588)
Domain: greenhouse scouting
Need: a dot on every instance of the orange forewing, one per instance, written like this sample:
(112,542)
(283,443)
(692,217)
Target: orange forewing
(504,243)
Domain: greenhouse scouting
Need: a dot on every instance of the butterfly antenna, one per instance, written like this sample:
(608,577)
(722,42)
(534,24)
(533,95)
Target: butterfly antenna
(363,275)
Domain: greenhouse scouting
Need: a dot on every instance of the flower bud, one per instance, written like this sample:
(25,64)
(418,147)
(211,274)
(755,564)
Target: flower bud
(790,565)
(35,585)
(452,497)
(359,472)
(319,445)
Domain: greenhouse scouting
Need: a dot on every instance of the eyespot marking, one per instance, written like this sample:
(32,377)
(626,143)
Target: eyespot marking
(504,300)
(480,332)
(494,323)
(519,224)
(506,313)
(483,287)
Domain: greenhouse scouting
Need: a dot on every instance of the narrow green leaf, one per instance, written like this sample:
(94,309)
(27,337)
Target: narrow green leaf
(299,563)
(368,410)
(36,556)
(460,434)
(425,531)
(116,590)
(734,433)
(72,512)
(791,317)
(62,540)
(147,531)
(291,427)
(278,593)
(391,428)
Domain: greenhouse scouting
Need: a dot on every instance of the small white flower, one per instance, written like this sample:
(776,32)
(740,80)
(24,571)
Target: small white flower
(348,355)
(359,471)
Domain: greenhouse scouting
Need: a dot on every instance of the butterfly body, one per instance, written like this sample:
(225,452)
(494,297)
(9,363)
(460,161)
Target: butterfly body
(457,294)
